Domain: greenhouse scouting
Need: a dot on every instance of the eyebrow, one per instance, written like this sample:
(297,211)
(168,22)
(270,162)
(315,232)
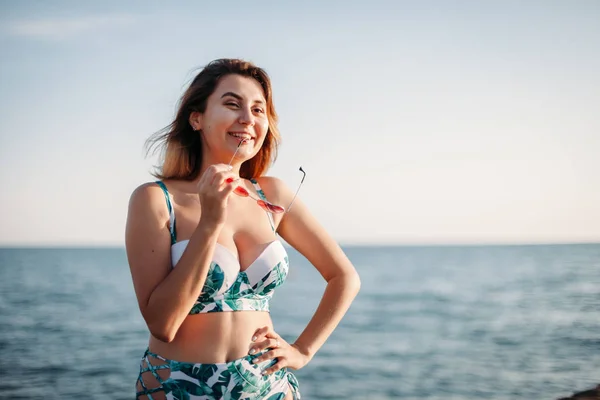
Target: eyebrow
(240,98)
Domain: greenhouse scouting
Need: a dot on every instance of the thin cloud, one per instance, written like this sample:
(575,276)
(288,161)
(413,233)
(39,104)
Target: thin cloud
(61,28)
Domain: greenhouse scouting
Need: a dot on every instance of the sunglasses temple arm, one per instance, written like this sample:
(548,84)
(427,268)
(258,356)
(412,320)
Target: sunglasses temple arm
(263,201)
(297,190)
(253,198)
(290,206)
(236,150)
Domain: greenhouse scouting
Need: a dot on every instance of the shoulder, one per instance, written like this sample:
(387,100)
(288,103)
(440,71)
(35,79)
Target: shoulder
(148,197)
(146,192)
(271,182)
(273,186)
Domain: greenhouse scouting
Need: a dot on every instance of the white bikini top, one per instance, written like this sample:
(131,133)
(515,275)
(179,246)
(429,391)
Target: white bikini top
(227,288)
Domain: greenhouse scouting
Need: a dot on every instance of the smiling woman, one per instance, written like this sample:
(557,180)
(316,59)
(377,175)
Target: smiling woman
(205,263)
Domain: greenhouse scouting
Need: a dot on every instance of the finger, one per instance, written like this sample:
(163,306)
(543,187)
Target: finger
(216,168)
(222,177)
(228,188)
(269,355)
(273,335)
(257,347)
(209,175)
(260,333)
(265,344)
(275,367)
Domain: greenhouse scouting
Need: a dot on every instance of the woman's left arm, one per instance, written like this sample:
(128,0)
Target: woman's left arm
(303,232)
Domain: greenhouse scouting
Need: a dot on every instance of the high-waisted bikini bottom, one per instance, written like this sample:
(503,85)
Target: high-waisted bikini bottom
(161,378)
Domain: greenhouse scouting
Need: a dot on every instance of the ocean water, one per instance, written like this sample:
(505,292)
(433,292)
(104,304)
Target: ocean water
(481,322)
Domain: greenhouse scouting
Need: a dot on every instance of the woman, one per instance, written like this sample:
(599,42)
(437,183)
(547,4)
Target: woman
(204,255)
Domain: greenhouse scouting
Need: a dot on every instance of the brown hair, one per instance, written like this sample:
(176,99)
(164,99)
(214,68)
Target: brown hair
(181,146)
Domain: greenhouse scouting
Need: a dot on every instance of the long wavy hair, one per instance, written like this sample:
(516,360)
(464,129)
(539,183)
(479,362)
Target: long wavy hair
(181,146)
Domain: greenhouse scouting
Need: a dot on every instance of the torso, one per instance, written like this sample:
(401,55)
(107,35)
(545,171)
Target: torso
(220,336)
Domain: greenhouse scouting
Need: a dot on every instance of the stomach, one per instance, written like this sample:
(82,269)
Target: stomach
(213,338)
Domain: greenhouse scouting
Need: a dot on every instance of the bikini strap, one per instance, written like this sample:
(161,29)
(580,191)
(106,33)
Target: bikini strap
(171,212)
(261,194)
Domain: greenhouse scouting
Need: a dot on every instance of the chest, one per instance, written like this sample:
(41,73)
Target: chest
(245,234)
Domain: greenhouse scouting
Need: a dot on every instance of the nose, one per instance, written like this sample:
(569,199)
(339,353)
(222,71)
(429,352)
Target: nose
(246,117)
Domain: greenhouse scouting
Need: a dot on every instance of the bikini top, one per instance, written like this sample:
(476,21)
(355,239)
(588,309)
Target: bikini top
(227,287)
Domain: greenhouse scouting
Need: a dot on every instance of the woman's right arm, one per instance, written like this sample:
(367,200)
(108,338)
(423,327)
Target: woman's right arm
(166,295)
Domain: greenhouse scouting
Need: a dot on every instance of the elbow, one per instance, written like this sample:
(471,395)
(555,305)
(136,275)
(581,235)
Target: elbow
(350,282)
(162,327)
(354,283)
(163,336)
(161,331)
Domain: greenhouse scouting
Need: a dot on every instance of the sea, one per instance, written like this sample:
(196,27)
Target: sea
(430,322)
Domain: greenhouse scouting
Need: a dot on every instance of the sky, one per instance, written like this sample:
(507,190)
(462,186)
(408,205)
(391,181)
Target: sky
(429,122)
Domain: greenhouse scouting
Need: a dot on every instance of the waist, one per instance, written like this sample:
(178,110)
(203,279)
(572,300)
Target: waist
(213,337)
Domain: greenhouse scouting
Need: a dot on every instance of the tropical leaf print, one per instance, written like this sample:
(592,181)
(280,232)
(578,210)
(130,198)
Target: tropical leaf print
(236,380)
(196,389)
(214,281)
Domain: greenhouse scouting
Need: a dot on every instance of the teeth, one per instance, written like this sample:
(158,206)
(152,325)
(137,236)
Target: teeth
(240,135)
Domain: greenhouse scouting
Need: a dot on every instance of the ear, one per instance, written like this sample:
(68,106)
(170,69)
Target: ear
(196,120)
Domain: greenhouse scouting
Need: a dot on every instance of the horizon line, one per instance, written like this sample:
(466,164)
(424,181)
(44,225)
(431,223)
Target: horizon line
(349,244)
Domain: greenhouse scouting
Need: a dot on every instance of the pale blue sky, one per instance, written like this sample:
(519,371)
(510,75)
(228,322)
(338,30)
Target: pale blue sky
(416,121)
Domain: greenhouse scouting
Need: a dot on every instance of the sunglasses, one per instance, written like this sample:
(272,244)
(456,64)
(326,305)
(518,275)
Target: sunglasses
(264,204)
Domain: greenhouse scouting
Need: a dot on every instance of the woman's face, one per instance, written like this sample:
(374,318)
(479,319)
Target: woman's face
(236,110)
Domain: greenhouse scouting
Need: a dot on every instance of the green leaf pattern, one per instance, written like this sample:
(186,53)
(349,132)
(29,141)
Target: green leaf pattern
(237,380)
(242,294)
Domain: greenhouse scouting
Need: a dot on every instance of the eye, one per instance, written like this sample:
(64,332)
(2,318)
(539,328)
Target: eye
(231,104)
(259,110)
